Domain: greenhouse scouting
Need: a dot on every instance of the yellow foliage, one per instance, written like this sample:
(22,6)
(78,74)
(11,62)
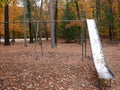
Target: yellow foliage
(14,13)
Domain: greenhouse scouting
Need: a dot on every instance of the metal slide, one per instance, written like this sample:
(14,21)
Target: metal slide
(97,52)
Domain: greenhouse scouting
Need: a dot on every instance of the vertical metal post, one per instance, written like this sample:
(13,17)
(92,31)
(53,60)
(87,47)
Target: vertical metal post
(25,42)
(83,41)
(35,56)
(100,27)
(85,37)
(82,50)
(110,83)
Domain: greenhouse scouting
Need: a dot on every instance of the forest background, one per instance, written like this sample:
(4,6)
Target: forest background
(105,12)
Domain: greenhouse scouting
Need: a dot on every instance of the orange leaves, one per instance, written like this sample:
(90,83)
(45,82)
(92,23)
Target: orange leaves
(73,24)
(1,19)
(15,12)
(1,10)
(89,8)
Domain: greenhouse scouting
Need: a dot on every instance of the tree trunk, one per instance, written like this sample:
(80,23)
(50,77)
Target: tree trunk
(56,23)
(46,31)
(100,26)
(78,14)
(110,33)
(30,24)
(13,36)
(13,32)
(119,16)
(25,42)
(98,17)
(97,10)
(7,42)
(111,22)
(52,26)
(41,16)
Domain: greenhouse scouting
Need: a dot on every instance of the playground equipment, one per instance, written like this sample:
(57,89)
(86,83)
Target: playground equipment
(97,51)
(98,56)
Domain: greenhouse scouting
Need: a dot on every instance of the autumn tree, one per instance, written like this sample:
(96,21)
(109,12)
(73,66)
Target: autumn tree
(1,19)
(15,15)
(3,2)
(109,18)
(69,31)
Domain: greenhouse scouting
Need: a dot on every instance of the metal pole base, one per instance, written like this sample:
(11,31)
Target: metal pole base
(100,84)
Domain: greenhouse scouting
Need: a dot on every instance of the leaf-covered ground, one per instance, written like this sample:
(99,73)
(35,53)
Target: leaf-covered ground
(61,68)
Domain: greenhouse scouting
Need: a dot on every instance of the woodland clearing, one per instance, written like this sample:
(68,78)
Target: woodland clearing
(60,68)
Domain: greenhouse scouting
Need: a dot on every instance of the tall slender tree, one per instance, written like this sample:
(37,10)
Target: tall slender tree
(68,29)
(98,16)
(25,41)
(97,10)
(6,19)
(52,25)
(78,15)
(29,17)
(56,23)
(46,31)
(119,15)
(110,19)
(41,16)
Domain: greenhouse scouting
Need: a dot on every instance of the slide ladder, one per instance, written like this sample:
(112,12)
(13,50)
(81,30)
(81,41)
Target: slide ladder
(98,56)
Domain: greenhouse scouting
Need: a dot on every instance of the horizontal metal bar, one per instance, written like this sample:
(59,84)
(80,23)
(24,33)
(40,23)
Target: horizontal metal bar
(43,21)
